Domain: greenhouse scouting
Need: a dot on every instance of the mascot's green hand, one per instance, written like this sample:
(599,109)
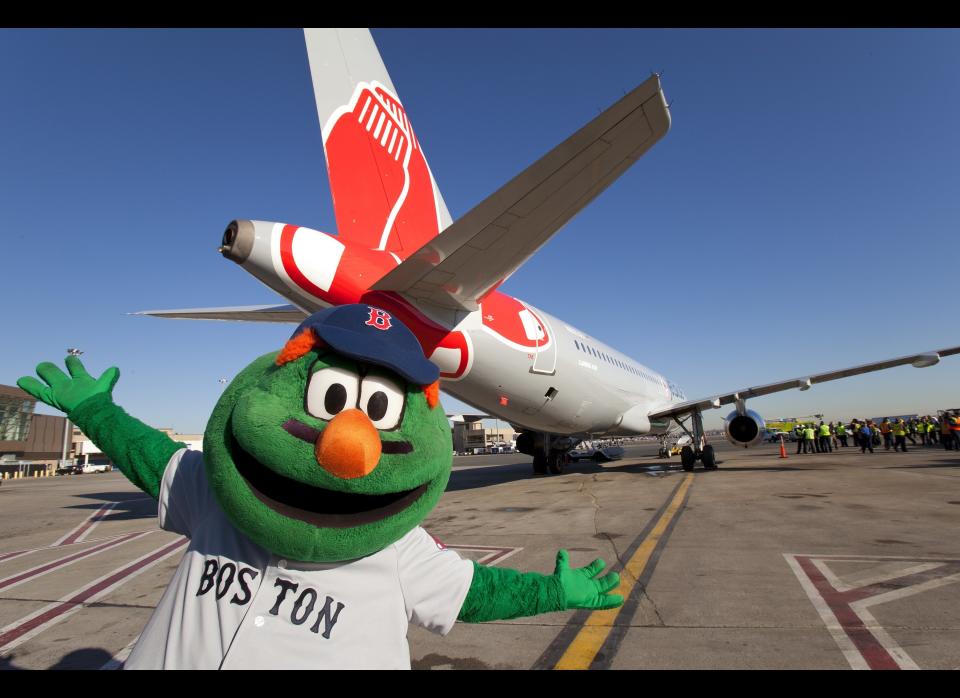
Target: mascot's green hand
(583,588)
(66,393)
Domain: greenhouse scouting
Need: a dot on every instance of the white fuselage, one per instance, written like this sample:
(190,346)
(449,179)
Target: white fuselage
(507,358)
(575,385)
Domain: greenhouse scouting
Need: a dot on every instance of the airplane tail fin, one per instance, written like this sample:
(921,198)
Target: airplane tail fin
(384,194)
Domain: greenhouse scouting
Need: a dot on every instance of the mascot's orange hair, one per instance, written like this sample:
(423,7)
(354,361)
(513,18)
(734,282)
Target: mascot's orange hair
(305,341)
(298,346)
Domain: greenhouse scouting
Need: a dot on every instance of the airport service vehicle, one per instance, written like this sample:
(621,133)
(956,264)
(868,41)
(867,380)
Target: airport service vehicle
(398,250)
(95,468)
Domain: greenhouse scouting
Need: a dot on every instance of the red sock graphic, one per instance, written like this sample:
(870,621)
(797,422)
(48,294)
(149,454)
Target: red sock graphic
(381,187)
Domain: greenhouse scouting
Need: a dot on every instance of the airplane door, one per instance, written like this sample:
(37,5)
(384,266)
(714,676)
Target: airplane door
(545,356)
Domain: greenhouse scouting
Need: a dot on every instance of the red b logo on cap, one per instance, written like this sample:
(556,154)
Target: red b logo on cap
(378,318)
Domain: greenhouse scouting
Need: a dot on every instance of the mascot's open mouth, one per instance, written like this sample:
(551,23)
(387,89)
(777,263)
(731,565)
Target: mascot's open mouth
(316,505)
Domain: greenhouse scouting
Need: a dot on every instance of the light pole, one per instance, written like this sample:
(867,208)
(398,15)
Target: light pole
(66,424)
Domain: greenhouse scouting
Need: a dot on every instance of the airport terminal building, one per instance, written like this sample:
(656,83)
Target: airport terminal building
(28,441)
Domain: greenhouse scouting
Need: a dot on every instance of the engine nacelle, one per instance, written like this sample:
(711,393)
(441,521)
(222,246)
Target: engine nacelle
(744,429)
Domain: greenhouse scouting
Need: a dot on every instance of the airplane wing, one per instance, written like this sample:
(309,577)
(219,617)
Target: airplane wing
(921,360)
(469,418)
(457,268)
(248,313)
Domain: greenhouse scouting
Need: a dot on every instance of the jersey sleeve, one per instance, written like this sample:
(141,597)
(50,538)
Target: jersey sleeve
(184,493)
(434,580)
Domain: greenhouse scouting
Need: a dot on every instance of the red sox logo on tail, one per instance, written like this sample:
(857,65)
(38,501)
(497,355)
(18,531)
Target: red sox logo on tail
(381,184)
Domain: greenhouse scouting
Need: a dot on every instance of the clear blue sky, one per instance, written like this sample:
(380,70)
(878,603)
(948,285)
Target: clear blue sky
(801,215)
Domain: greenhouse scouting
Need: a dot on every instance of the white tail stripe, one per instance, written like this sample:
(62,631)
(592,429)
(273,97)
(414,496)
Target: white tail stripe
(376,131)
(393,140)
(399,148)
(363,112)
(386,133)
(373,115)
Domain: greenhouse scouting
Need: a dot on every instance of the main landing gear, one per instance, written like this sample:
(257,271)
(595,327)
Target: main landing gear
(700,450)
(546,458)
(551,462)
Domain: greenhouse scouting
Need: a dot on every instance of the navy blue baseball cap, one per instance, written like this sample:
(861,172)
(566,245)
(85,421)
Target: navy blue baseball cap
(373,335)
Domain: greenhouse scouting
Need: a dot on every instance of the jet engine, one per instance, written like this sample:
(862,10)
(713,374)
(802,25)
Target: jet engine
(744,429)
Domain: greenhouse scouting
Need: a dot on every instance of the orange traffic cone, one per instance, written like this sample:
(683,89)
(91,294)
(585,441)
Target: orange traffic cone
(783,450)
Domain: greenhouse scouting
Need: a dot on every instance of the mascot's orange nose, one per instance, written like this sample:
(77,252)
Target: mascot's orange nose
(350,445)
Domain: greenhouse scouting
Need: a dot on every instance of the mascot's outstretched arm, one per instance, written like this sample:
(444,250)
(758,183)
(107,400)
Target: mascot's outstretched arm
(498,594)
(141,452)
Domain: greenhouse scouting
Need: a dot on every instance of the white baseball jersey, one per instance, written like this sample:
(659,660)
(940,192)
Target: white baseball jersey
(234,605)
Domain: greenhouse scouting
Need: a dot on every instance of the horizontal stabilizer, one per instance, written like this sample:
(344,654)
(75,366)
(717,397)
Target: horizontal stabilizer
(242,313)
(457,268)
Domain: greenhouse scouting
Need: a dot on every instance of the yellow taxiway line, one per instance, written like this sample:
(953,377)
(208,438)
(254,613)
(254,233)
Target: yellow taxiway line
(585,646)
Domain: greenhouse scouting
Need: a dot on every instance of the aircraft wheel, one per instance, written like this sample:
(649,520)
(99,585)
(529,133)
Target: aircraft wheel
(687,458)
(709,458)
(555,463)
(540,464)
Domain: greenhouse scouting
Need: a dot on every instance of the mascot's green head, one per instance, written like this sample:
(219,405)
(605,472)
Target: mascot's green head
(335,447)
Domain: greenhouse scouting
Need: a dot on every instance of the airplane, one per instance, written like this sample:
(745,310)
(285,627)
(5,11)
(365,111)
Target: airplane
(398,249)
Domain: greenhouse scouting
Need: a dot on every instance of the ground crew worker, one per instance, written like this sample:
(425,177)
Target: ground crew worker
(946,436)
(885,431)
(954,422)
(922,431)
(933,431)
(808,439)
(798,432)
(900,433)
(842,434)
(855,428)
(833,437)
(912,430)
(866,438)
(825,446)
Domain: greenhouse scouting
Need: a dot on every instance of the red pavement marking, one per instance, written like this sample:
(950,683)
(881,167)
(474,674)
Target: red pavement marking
(838,602)
(73,535)
(41,569)
(9,556)
(51,614)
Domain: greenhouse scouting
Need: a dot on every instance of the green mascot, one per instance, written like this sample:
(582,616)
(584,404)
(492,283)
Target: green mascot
(320,461)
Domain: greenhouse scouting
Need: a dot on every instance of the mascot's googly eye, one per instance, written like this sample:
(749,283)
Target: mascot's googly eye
(332,390)
(382,400)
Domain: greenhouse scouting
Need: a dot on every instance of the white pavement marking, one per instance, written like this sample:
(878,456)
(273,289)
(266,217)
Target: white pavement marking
(35,623)
(860,582)
(48,567)
(120,658)
(73,535)
(860,650)
(495,554)
(20,553)
(850,652)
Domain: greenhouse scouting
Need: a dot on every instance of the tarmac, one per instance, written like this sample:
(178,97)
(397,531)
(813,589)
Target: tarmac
(816,561)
